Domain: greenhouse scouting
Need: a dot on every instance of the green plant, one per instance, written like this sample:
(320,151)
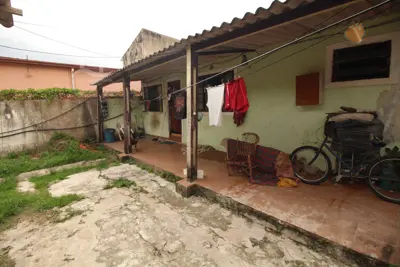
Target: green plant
(50,94)
(392,152)
(43,182)
(12,155)
(89,140)
(13,202)
(119,183)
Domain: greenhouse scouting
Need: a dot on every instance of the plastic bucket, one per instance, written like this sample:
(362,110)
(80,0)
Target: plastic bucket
(109,135)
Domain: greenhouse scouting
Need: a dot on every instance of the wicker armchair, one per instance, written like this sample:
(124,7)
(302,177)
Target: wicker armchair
(241,153)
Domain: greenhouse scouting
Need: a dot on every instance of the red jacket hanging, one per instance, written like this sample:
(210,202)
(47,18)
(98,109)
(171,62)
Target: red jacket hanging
(236,100)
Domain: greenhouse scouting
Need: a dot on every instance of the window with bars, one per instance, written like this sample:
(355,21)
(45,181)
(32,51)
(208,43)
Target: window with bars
(363,62)
(202,91)
(150,94)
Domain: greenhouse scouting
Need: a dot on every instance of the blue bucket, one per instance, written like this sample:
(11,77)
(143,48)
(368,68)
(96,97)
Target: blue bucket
(109,135)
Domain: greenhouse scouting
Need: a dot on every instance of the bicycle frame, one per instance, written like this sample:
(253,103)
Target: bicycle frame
(338,157)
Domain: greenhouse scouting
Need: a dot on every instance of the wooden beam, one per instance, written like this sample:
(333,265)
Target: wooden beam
(228,51)
(191,106)
(100,118)
(11,10)
(127,115)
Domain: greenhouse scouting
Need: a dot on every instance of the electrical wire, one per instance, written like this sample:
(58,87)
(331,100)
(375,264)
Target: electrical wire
(59,129)
(231,68)
(50,53)
(295,41)
(29,23)
(326,37)
(306,40)
(313,29)
(57,41)
(42,122)
(200,69)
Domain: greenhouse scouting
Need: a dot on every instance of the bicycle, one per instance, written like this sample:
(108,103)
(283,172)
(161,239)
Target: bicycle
(354,160)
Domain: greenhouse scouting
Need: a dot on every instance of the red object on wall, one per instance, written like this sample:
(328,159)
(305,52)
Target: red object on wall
(308,89)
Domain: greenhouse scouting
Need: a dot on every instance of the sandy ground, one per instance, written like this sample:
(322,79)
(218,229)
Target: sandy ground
(148,225)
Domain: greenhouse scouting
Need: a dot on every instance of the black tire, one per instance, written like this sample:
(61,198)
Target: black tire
(371,181)
(322,154)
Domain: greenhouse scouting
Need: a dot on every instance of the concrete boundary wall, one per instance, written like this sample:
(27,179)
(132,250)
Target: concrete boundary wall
(29,124)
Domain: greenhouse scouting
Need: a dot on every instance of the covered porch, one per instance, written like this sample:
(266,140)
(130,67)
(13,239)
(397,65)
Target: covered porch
(350,216)
(348,220)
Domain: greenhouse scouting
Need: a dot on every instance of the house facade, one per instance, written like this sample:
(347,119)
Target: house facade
(24,74)
(273,113)
(285,111)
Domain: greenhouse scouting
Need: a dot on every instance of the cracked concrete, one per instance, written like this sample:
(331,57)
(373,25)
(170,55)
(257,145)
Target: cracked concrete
(26,187)
(149,227)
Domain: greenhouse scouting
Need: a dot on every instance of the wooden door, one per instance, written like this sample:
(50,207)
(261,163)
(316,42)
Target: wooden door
(175,126)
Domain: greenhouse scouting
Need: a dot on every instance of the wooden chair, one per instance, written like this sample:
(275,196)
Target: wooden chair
(241,154)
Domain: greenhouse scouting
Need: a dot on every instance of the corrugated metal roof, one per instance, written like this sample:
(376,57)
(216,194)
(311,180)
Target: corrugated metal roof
(275,8)
(260,39)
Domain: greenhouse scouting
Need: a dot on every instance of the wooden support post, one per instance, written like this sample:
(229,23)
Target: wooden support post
(11,10)
(127,116)
(100,118)
(191,103)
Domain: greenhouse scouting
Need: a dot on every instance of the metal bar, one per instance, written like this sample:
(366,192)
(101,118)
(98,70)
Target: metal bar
(100,118)
(127,116)
(228,51)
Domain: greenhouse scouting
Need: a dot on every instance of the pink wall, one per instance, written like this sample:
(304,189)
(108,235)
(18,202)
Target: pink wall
(21,76)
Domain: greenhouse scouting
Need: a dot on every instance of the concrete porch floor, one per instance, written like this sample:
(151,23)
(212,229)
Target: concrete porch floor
(347,215)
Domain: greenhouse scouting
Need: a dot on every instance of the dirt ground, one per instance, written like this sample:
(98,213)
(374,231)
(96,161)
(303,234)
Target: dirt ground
(147,225)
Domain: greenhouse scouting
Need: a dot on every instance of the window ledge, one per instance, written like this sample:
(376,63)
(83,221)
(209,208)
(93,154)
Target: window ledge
(370,82)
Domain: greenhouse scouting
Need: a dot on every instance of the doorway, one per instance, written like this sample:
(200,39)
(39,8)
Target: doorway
(175,125)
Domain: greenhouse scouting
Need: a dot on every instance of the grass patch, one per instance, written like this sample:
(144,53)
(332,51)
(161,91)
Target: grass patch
(60,150)
(119,183)
(43,182)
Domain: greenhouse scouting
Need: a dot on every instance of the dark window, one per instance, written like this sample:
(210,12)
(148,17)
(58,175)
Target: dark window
(202,91)
(371,61)
(151,93)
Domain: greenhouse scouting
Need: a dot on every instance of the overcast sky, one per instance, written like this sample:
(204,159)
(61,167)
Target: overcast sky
(109,27)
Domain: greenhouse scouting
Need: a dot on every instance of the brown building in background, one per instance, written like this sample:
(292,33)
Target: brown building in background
(24,74)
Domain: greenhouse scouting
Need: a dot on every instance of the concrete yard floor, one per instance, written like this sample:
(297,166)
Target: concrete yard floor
(149,225)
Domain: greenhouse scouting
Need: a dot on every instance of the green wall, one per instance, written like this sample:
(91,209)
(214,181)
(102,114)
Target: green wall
(116,107)
(273,113)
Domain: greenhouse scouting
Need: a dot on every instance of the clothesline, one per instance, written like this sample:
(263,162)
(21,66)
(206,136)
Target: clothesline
(296,40)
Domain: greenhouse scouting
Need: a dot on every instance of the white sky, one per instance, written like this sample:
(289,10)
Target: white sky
(109,27)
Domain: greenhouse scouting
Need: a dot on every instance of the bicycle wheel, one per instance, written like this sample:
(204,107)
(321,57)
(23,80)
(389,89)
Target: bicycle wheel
(384,179)
(311,166)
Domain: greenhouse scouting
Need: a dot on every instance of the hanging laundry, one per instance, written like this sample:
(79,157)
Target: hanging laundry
(214,103)
(236,100)
(180,106)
